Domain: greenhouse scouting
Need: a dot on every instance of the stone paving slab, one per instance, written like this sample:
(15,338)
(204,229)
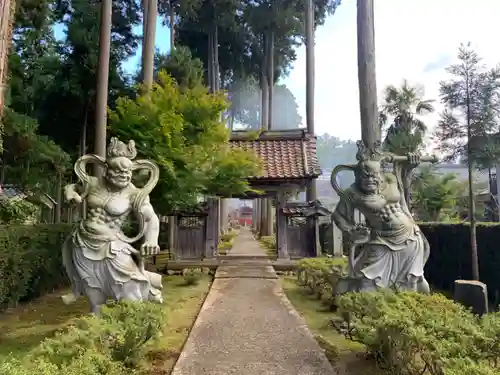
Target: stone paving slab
(246,271)
(248,327)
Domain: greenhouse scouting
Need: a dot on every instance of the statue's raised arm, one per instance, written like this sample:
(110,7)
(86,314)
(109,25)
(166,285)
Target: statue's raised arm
(393,251)
(98,256)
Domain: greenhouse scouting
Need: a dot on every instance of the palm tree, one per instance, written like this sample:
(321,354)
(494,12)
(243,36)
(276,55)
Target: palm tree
(405,131)
(400,113)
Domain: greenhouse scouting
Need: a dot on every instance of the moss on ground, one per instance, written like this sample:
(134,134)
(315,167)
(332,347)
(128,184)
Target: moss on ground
(346,356)
(24,327)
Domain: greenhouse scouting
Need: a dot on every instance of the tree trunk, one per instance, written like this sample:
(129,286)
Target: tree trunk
(270,76)
(370,129)
(267,229)
(210,62)
(83,151)
(309,32)
(148,48)
(7,14)
(264,110)
(172,25)
(102,81)
(59,200)
(145,4)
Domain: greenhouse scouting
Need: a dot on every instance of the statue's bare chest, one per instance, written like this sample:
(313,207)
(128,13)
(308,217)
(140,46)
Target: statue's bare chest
(112,204)
(382,206)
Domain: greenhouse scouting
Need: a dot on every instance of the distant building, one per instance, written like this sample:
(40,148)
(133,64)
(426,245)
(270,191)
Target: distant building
(242,215)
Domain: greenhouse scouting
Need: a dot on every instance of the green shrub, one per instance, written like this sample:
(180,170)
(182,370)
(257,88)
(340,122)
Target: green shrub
(118,335)
(269,242)
(126,327)
(321,276)
(30,261)
(491,328)
(88,363)
(229,236)
(412,334)
(192,277)
(468,367)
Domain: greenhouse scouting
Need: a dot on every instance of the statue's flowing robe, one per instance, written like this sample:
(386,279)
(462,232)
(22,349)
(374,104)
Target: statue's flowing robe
(106,263)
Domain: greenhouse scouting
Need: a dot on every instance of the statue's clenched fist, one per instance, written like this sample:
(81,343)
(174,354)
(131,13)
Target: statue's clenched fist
(148,249)
(413,158)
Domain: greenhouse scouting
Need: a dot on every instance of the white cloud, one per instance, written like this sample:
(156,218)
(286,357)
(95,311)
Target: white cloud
(415,40)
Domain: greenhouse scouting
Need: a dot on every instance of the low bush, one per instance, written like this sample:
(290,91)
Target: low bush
(415,334)
(111,344)
(192,277)
(88,363)
(321,276)
(30,261)
(269,242)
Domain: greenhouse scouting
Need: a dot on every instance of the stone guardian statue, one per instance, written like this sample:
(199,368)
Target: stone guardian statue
(388,250)
(99,258)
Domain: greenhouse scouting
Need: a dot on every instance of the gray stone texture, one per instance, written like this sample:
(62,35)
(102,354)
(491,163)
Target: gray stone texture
(247,326)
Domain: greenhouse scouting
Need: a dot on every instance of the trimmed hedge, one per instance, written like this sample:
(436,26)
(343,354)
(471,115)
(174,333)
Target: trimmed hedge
(450,258)
(416,334)
(113,343)
(320,276)
(30,261)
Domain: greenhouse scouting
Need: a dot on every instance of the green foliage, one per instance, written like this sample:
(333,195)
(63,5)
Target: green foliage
(30,261)
(120,334)
(321,275)
(471,98)
(226,242)
(126,327)
(181,66)
(30,160)
(88,363)
(241,27)
(111,344)
(16,211)
(191,277)
(437,197)
(269,242)
(400,115)
(450,256)
(413,334)
(181,131)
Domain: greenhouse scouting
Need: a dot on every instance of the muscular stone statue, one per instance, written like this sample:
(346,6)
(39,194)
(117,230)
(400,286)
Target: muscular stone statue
(389,250)
(99,258)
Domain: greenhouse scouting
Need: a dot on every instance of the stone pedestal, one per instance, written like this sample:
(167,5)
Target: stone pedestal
(472,294)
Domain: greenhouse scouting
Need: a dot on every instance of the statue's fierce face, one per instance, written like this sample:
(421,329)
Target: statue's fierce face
(119,172)
(369,176)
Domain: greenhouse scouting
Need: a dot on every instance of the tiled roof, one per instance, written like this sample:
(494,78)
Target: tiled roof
(285,154)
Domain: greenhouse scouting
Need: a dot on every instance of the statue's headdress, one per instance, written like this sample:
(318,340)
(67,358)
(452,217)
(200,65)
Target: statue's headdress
(117,148)
(373,153)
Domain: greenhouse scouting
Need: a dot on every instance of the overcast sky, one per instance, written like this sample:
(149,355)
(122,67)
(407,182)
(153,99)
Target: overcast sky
(415,40)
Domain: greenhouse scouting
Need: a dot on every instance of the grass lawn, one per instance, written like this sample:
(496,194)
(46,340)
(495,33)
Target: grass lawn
(24,327)
(346,356)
